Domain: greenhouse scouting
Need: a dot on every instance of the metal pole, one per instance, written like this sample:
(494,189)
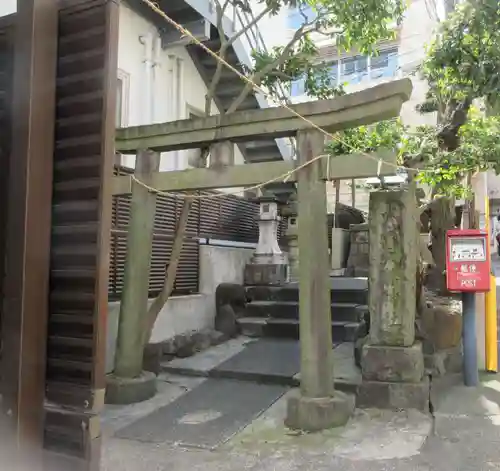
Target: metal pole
(490,303)
(491,337)
(471,376)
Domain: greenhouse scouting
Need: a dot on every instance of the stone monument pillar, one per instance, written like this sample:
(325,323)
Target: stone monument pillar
(269,265)
(392,361)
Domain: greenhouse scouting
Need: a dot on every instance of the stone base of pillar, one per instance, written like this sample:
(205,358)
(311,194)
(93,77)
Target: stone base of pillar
(393,378)
(315,414)
(390,363)
(125,391)
(392,395)
(266,274)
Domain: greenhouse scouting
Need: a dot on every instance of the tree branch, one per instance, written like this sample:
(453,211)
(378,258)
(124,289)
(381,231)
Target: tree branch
(249,26)
(222,54)
(455,117)
(257,77)
(222,9)
(171,273)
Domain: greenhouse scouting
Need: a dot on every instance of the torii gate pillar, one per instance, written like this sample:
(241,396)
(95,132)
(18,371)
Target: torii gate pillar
(317,405)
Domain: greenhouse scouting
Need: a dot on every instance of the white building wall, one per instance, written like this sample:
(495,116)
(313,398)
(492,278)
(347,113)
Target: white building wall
(195,312)
(272,28)
(7,7)
(159,85)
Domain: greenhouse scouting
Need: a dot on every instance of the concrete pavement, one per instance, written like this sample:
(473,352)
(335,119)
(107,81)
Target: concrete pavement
(462,435)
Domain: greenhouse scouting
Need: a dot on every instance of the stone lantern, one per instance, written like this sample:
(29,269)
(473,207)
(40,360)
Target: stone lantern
(269,265)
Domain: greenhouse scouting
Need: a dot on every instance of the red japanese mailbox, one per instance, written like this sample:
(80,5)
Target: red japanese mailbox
(467,260)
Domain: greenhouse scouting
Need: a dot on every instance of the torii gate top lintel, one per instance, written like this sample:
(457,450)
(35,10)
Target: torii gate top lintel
(355,109)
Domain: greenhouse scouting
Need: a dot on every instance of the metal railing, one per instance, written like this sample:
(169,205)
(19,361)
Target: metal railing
(255,40)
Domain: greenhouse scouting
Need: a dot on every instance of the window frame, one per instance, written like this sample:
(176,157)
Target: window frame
(366,74)
(122,92)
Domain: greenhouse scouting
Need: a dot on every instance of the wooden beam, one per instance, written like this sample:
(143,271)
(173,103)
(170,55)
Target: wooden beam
(355,109)
(341,167)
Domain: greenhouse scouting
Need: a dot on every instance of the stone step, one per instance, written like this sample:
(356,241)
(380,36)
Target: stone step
(350,312)
(267,361)
(342,331)
(342,290)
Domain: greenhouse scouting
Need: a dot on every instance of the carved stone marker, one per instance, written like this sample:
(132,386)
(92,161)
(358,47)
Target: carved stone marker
(392,362)
(269,265)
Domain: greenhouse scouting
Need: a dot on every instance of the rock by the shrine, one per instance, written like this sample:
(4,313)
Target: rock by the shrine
(189,343)
(230,293)
(226,321)
(358,349)
(442,327)
(346,217)
(444,361)
(152,357)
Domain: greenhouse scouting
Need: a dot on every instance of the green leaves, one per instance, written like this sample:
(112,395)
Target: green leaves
(464,59)
(348,24)
(419,149)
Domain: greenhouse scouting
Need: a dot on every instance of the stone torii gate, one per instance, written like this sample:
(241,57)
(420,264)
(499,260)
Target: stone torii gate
(317,405)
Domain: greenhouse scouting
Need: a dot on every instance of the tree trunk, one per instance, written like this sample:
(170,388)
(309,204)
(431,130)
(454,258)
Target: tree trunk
(442,219)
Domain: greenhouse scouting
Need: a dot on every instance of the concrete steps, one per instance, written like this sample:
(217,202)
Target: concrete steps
(342,331)
(265,360)
(274,311)
(347,312)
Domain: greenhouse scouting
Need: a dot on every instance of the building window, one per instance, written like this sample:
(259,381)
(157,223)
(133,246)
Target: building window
(334,72)
(356,69)
(298,87)
(297,18)
(385,64)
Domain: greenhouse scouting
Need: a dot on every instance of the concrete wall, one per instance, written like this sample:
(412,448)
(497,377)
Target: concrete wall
(195,312)
(158,85)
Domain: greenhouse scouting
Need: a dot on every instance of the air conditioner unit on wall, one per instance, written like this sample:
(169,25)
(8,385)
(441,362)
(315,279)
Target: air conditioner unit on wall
(171,37)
